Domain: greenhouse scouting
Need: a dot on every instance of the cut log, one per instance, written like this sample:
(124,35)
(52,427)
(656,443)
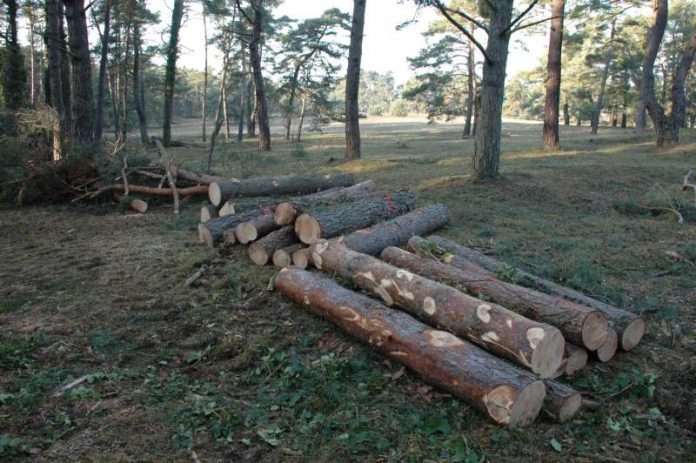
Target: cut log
(397,231)
(207,213)
(324,224)
(534,345)
(607,351)
(629,327)
(579,324)
(253,229)
(150,191)
(135,204)
(212,231)
(273,186)
(302,258)
(575,359)
(506,394)
(283,257)
(226,209)
(200,179)
(228,237)
(285,212)
(261,251)
(562,402)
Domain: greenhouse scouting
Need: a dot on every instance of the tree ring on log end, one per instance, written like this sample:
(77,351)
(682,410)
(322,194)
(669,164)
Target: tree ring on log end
(576,361)
(547,355)
(571,406)
(632,334)
(607,350)
(204,235)
(528,404)
(595,329)
(307,229)
(215,193)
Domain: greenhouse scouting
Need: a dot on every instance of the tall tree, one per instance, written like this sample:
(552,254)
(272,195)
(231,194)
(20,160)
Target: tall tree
(551,138)
(677,118)
(81,69)
(648,100)
(170,71)
(204,114)
(103,68)
(599,104)
(353,148)
(15,77)
(254,16)
(138,86)
(54,43)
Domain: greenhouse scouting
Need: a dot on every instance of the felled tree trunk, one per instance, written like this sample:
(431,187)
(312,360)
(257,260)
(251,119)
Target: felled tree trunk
(562,402)
(335,221)
(286,211)
(574,359)
(283,257)
(533,345)
(397,231)
(608,349)
(629,327)
(208,212)
(212,232)
(302,258)
(249,231)
(272,186)
(507,395)
(262,250)
(151,191)
(579,324)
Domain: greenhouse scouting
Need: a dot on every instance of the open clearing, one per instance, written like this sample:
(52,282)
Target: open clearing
(227,371)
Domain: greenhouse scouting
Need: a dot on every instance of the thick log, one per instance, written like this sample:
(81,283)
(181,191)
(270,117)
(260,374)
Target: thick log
(136,205)
(251,230)
(285,212)
(579,324)
(534,345)
(261,251)
(397,231)
(274,186)
(629,326)
(607,351)
(302,258)
(208,212)
(212,231)
(327,223)
(562,402)
(283,257)
(506,394)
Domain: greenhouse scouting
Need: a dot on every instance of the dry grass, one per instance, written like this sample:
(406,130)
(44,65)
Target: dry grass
(229,371)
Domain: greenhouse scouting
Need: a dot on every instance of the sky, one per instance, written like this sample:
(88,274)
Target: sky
(384,48)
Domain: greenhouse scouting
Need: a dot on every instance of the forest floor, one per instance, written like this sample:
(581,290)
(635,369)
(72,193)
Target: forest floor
(226,371)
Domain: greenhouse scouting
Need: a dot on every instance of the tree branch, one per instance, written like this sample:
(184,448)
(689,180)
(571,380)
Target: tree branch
(463,30)
(534,23)
(519,17)
(477,23)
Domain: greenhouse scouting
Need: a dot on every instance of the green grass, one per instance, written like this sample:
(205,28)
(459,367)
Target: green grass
(233,372)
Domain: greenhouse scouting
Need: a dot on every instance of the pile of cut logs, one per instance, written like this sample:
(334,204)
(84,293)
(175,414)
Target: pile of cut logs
(442,309)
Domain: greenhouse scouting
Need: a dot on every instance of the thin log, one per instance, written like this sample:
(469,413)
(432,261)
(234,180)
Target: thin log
(302,258)
(212,232)
(562,402)
(285,212)
(507,395)
(273,186)
(328,223)
(283,257)
(251,230)
(151,191)
(579,324)
(201,179)
(167,165)
(534,345)
(629,326)
(261,251)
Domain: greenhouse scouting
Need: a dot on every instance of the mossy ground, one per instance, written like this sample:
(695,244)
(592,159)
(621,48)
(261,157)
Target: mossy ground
(227,371)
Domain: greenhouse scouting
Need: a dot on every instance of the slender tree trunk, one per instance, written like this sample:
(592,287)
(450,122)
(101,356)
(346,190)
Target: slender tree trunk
(291,103)
(566,114)
(302,116)
(647,100)
(138,87)
(101,88)
(677,117)
(226,117)
(65,79)
(204,114)
(486,161)
(32,57)
(219,119)
(353,146)
(471,89)
(54,87)
(242,97)
(82,68)
(14,74)
(255,57)
(126,66)
(251,111)
(596,114)
(551,138)
(170,72)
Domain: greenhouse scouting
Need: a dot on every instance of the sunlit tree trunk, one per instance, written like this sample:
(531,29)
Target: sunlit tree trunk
(551,138)
(597,113)
(353,146)
(170,72)
(648,101)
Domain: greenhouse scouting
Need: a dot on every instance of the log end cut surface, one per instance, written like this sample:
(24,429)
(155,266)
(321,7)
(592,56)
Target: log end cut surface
(258,254)
(524,409)
(281,259)
(307,229)
(215,193)
(571,406)
(284,213)
(548,348)
(302,258)
(576,361)
(205,236)
(595,329)
(632,334)
(205,214)
(607,350)
(246,232)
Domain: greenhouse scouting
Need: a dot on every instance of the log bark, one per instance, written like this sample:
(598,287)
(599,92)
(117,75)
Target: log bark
(353,148)
(283,257)
(629,327)
(302,258)
(507,395)
(397,231)
(262,250)
(212,232)
(286,211)
(533,345)
(335,221)
(273,186)
(151,191)
(201,179)
(562,402)
(579,324)
(260,226)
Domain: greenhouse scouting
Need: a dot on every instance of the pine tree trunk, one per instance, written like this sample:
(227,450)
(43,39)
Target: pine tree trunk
(677,117)
(486,160)
(255,57)
(533,345)
(353,145)
(551,138)
(138,86)
(32,50)
(65,78)
(566,114)
(302,117)
(101,87)
(53,46)
(243,96)
(471,89)
(251,109)
(170,71)
(14,74)
(291,103)
(647,99)
(204,114)
(81,69)
(508,395)
(218,119)
(599,105)
(124,93)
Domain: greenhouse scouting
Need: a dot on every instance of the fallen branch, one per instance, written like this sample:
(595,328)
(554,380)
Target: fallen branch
(146,190)
(166,164)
